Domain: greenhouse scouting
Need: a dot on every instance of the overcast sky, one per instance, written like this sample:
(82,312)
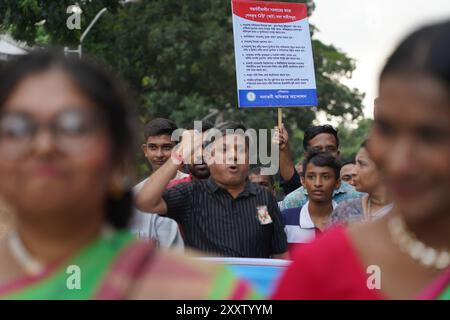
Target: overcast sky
(368,31)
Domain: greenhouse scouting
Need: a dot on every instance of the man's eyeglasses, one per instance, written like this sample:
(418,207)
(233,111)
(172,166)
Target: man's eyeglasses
(71,130)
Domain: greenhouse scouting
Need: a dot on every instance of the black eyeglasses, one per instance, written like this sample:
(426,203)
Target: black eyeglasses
(71,129)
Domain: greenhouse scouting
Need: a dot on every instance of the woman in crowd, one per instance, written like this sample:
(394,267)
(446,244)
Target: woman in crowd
(375,203)
(66,146)
(404,254)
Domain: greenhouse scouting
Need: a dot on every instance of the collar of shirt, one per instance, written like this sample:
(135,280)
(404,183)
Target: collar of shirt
(248,189)
(344,188)
(305,218)
(180,175)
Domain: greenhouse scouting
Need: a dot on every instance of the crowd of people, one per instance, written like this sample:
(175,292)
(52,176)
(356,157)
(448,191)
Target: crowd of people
(67,147)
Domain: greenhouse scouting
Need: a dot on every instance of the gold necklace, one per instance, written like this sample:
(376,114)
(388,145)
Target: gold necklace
(417,250)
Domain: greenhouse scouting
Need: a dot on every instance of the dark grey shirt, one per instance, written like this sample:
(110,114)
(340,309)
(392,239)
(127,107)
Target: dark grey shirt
(215,223)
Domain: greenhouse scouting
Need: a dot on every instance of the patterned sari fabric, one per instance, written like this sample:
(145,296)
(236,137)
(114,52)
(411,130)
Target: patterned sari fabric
(439,289)
(446,294)
(118,267)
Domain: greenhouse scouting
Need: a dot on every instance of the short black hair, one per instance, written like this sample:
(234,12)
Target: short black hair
(229,125)
(224,127)
(426,51)
(206,125)
(323,159)
(313,131)
(257,172)
(347,162)
(159,127)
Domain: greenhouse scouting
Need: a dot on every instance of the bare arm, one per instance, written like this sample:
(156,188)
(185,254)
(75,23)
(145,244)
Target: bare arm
(149,198)
(281,138)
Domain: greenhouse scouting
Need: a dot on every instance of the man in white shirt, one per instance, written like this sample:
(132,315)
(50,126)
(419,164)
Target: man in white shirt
(164,231)
(157,149)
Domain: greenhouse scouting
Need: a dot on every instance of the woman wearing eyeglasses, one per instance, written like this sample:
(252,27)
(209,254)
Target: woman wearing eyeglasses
(405,254)
(66,147)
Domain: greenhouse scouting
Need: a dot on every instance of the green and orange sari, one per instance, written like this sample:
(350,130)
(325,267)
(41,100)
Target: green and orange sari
(119,267)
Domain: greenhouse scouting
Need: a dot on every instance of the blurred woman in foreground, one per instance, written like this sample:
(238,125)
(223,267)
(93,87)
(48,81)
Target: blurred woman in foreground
(405,254)
(66,144)
(6,219)
(374,204)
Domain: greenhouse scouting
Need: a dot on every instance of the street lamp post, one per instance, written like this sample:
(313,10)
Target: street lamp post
(80,48)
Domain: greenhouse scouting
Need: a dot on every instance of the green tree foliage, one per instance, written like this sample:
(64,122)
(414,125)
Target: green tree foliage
(351,139)
(22,15)
(177,57)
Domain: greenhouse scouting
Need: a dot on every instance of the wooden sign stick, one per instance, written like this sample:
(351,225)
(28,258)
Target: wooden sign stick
(280,117)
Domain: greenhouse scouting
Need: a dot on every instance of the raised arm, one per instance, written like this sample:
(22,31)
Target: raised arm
(149,198)
(281,138)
